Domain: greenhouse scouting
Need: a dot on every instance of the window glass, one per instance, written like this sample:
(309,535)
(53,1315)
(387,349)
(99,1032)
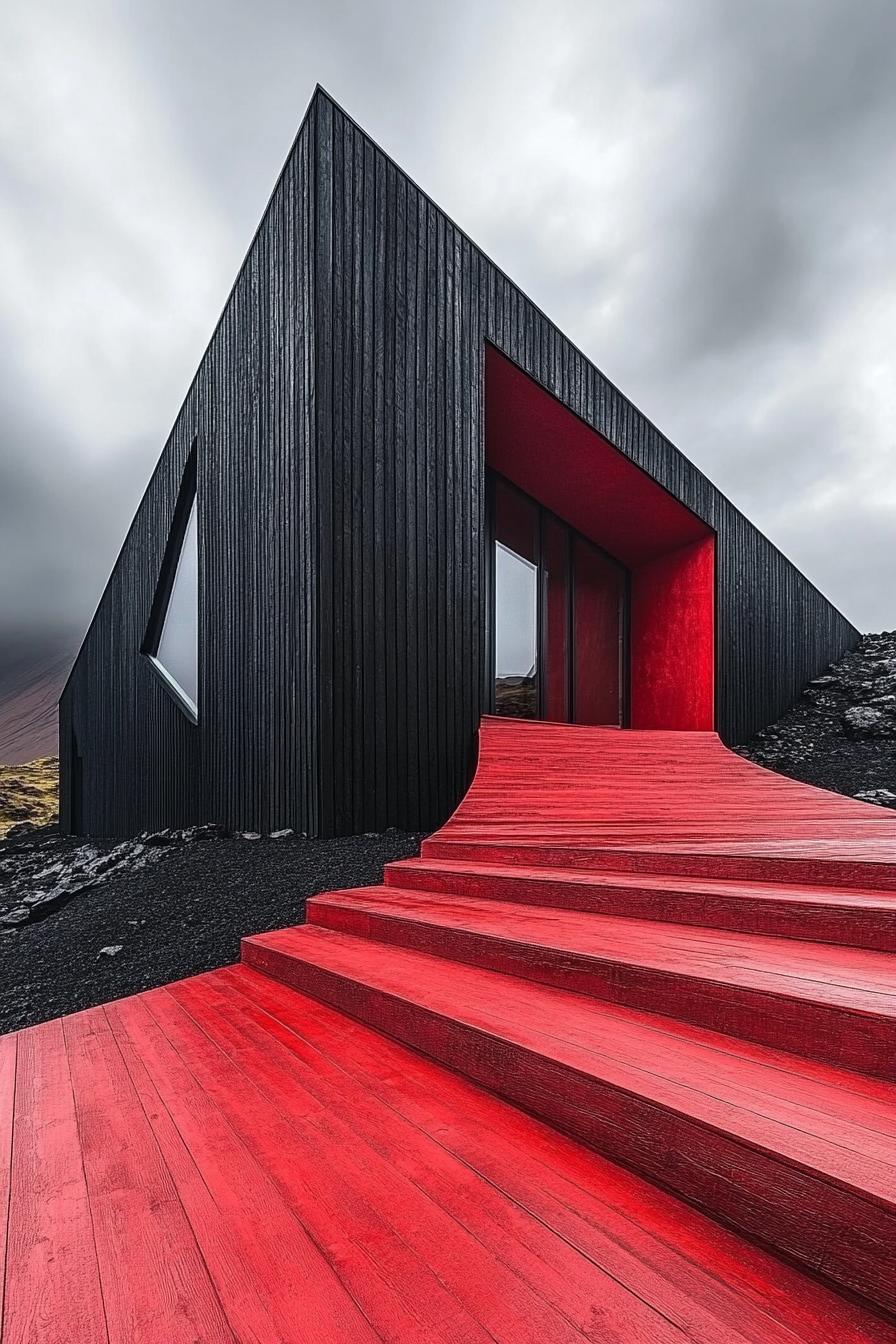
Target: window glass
(516,605)
(177,656)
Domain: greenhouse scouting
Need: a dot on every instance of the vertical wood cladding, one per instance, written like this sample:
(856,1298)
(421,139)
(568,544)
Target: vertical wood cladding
(250,411)
(338,421)
(406,303)
(399,354)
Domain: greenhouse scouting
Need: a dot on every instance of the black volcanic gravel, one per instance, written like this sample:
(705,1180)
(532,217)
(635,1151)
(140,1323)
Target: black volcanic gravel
(821,740)
(180,914)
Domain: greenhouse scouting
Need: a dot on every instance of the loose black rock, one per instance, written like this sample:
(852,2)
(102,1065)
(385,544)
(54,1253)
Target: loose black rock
(173,909)
(841,734)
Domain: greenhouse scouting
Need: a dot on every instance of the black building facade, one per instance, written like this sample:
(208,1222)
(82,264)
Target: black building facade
(374,394)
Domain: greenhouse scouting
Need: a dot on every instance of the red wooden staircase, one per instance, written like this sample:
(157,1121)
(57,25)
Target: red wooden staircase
(664,951)
(613,1061)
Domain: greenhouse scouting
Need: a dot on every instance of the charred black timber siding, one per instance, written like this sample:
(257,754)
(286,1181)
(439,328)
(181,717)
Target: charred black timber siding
(338,423)
(250,413)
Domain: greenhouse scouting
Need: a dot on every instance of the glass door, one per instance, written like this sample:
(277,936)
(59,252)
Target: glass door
(516,605)
(559,617)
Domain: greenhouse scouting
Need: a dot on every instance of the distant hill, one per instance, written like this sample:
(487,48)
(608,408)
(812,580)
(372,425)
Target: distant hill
(31,680)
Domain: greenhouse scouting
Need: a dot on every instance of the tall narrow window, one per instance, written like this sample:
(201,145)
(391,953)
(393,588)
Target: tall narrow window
(172,638)
(516,604)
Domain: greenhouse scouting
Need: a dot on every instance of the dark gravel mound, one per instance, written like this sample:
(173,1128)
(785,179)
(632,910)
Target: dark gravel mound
(85,922)
(841,734)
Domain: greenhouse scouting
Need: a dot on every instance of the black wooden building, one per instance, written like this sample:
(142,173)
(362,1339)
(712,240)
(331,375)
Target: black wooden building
(396,497)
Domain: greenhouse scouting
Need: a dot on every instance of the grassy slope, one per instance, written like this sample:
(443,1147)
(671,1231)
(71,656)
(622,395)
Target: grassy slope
(29,793)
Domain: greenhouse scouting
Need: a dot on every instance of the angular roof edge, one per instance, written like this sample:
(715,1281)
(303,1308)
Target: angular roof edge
(321,94)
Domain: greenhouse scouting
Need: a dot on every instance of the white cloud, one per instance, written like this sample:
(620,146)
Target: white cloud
(106,302)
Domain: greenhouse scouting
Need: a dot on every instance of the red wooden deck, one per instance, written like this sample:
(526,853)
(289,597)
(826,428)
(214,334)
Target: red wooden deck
(568,1076)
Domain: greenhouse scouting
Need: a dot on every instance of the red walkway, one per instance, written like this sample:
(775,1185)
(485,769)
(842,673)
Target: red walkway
(244,1157)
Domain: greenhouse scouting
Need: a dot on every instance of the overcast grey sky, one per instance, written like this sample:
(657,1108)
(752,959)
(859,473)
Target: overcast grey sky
(701,193)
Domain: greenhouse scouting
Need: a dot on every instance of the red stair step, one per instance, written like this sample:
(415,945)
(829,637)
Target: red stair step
(830,1003)
(628,1253)
(795,1154)
(820,914)
(827,864)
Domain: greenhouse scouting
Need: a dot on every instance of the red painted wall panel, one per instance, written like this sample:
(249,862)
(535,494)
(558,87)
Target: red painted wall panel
(597,613)
(673,639)
(555,559)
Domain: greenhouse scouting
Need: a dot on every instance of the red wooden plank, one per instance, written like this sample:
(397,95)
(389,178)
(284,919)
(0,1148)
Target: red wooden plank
(837,866)
(493,1293)
(155,1282)
(534,1045)
(692,1270)
(517,1244)
(241,1162)
(53,1288)
(841,1124)
(246,1233)
(638,801)
(830,1003)
(8,1053)
(398,1290)
(849,918)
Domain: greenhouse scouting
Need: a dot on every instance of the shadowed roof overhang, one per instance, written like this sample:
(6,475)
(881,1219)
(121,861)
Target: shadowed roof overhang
(534,441)
(546,450)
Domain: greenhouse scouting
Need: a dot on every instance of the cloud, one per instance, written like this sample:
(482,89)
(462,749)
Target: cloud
(701,195)
(102,308)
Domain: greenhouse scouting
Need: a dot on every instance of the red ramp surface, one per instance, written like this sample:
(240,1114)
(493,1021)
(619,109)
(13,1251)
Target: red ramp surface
(573,1074)
(654,801)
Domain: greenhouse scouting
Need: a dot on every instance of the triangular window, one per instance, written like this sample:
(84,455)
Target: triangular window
(172,638)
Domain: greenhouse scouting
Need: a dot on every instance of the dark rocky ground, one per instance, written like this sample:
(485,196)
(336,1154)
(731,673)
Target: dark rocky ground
(82,923)
(841,734)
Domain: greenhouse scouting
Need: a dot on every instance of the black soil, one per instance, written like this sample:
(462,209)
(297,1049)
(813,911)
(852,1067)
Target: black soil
(183,913)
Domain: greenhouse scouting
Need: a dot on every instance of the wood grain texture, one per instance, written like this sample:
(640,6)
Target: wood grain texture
(829,1003)
(326,1183)
(136,1214)
(8,1063)
(52,1288)
(338,417)
(239,1157)
(685,1265)
(586,1068)
(844,916)
(726,1064)
(551,795)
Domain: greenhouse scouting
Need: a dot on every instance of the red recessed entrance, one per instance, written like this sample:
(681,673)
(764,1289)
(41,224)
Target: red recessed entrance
(552,455)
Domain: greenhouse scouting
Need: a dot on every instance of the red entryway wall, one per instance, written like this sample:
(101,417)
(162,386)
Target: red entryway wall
(539,445)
